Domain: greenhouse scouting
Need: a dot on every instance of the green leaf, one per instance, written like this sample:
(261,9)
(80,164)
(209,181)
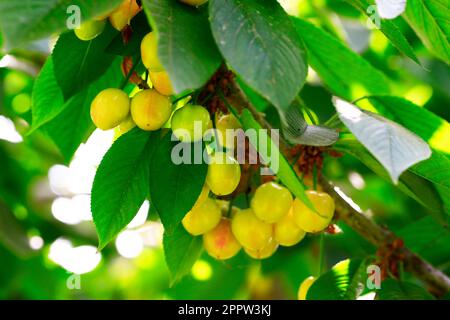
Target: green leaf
(186,47)
(409,183)
(79,63)
(260,43)
(75,113)
(174,188)
(395,147)
(181,250)
(390,29)
(341,69)
(121,183)
(24,21)
(340,283)
(47,100)
(392,289)
(267,148)
(422,122)
(429,19)
(428,239)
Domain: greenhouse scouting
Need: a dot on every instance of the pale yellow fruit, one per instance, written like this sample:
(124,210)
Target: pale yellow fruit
(202,218)
(271,202)
(220,242)
(90,29)
(161,82)
(265,252)
(251,232)
(149,53)
(150,110)
(304,287)
(311,221)
(122,16)
(227,126)
(190,123)
(224,174)
(286,231)
(109,108)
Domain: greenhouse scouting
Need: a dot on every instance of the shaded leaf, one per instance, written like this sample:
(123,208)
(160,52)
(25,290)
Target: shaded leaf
(396,290)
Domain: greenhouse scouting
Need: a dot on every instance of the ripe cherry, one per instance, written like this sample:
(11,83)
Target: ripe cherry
(190,123)
(220,242)
(224,174)
(161,83)
(90,29)
(149,53)
(227,126)
(150,110)
(122,16)
(109,108)
(286,231)
(202,218)
(251,232)
(125,126)
(311,221)
(271,202)
(265,252)
(304,287)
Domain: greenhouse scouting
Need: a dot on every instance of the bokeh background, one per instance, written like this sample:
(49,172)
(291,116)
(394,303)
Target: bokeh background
(48,241)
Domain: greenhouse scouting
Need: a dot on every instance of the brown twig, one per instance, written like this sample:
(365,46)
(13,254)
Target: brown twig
(437,282)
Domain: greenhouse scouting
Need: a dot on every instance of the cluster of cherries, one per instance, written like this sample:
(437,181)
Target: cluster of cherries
(275,218)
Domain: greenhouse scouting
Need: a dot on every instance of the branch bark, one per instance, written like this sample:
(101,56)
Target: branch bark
(437,282)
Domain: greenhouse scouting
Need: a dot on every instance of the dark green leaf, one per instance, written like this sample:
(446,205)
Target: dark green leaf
(28,20)
(389,28)
(395,290)
(73,124)
(259,42)
(174,188)
(181,251)
(340,283)
(47,97)
(186,47)
(429,19)
(341,69)
(79,63)
(121,183)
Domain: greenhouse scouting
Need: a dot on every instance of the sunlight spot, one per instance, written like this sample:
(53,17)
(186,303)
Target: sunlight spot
(129,244)
(8,131)
(152,234)
(78,260)
(368,296)
(419,94)
(64,211)
(356,180)
(440,138)
(36,242)
(201,270)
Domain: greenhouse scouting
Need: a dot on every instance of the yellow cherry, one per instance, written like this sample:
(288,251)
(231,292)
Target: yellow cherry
(149,53)
(311,221)
(150,110)
(161,83)
(224,174)
(202,218)
(271,202)
(125,126)
(109,108)
(190,122)
(90,29)
(194,3)
(227,125)
(263,253)
(122,16)
(286,231)
(304,287)
(220,242)
(203,196)
(251,232)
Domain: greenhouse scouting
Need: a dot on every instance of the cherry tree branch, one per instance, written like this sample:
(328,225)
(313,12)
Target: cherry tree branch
(437,282)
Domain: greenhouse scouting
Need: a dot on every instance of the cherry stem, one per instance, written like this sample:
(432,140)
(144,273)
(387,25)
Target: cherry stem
(130,73)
